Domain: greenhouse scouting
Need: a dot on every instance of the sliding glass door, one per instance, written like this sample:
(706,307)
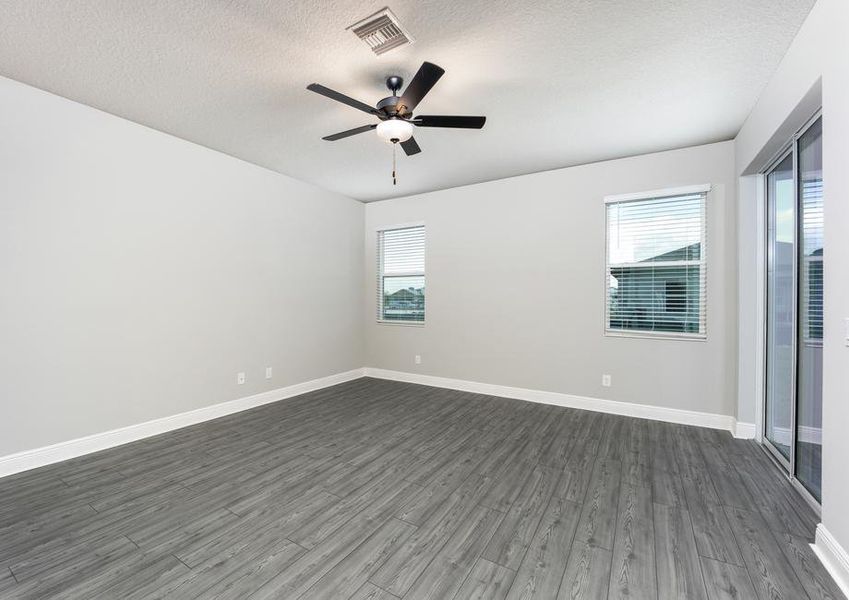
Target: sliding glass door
(781,307)
(794,325)
(808,456)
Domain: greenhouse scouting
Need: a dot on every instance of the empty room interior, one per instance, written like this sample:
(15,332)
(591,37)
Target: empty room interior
(428,300)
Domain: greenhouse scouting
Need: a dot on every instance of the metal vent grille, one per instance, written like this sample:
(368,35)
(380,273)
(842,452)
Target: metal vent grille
(382,32)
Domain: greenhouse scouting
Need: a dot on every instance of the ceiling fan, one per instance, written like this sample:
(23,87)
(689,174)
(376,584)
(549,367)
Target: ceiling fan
(396,112)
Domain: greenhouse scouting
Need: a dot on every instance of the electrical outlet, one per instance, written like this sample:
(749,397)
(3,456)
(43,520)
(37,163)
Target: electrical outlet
(418,359)
(606,380)
(846,340)
(269,372)
(240,378)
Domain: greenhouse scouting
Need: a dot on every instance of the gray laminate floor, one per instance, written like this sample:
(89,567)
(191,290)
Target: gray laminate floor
(380,490)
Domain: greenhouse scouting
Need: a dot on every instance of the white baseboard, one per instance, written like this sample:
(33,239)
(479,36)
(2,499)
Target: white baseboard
(628,409)
(31,459)
(39,457)
(744,431)
(833,556)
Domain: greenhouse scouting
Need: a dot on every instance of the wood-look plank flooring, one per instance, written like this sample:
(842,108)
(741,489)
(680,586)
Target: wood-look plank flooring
(382,490)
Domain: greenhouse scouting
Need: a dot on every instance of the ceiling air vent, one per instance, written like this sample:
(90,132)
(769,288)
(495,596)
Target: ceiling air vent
(382,32)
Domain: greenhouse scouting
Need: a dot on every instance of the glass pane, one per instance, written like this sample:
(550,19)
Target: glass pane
(781,236)
(655,230)
(809,401)
(403,298)
(404,250)
(657,298)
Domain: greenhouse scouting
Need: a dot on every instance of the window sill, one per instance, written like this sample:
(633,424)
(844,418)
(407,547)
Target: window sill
(684,337)
(402,323)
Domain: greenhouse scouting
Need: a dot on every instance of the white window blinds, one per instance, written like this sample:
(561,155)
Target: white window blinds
(811,274)
(656,268)
(401,275)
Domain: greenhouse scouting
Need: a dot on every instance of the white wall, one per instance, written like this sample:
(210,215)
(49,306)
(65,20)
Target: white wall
(751,314)
(836,352)
(815,70)
(515,286)
(140,272)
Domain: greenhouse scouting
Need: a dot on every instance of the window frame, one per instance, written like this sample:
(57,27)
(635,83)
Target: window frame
(380,275)
(700,336)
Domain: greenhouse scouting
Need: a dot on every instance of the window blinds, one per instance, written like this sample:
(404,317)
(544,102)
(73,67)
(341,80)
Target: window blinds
(812,254)
(656,265)
(401,275)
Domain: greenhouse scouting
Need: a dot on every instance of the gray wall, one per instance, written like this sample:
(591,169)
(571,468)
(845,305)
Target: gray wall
(515,286)
(140,273)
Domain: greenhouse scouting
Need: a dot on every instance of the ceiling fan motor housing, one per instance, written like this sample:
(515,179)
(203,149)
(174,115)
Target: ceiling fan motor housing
(392,107)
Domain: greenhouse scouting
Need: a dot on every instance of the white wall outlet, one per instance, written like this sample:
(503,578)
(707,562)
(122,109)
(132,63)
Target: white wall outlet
(846,340)
(418,359)
(240,378)
(606,380)
(269,372)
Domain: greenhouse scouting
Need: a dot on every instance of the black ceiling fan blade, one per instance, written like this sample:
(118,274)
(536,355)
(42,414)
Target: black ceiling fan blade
(339,97)
(349,133)
(449,121)
(411,146)
(426,77)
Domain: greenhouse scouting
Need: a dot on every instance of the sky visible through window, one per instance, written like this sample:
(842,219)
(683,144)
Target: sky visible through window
(644,230)
(784,211)
(812,212)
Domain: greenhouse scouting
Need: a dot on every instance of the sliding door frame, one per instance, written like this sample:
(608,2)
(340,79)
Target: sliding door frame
(788,466)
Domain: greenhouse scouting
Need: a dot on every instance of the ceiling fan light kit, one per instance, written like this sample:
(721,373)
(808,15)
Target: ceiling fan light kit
(395,130)
(396,112)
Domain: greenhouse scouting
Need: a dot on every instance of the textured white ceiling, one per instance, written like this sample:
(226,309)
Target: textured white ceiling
(562,82)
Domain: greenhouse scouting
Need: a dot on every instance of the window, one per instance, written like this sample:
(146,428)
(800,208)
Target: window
(656,263)
(401,275)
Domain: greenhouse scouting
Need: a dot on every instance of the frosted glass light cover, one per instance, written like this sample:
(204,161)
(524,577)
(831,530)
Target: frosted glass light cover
(395,129)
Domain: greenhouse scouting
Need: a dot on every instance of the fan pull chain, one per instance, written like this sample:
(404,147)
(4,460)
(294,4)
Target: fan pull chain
(394,148)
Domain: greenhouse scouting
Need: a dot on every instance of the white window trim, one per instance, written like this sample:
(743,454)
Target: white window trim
(379,282)
(399,226)
(650,195)
(664,193)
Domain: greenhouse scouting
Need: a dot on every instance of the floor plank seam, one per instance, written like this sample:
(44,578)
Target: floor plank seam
(495,562)
(701,564)
(385,591)
(483,546)
(701,567)
(703,458)
(778,543)
(575,534)
(181,561)
(304,548)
